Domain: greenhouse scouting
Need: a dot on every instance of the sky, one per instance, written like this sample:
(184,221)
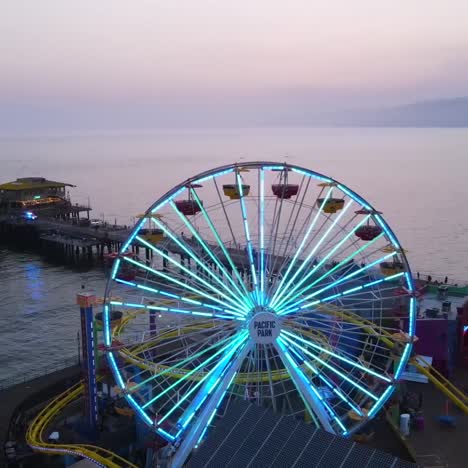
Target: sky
(142,63)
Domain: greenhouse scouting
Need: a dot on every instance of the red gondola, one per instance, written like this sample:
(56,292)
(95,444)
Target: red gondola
(285,190)
(188,207)
(368,232)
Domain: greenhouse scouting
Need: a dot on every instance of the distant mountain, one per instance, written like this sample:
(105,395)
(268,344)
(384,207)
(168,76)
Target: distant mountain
(437,113)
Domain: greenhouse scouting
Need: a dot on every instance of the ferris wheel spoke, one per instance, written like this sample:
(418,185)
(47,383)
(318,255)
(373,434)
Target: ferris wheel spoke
(286,254)
(334,368)
(336,283)
(171,279)
(169,370)
(228,315)
(261,223)
(152,341)
(299,250)
(245,294)
(335,334)
(195,257)
(358,289)
(341,357)
(231,347)
(308,392)
(244,298)
(281,292)
(207,400)
(188,271)
(171,297)
(293,293)
(329,383)
(247,238)
(315,268)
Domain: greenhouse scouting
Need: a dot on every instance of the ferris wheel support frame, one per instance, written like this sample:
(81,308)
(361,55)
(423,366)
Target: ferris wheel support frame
(284,300)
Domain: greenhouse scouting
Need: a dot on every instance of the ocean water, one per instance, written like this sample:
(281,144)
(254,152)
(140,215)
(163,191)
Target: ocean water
(418,178)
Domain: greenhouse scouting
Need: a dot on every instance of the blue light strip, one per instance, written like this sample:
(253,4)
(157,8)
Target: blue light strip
(328,366)
(183,285)
(337,356)
(115,267)
(243,295)
(107,337)
(341,280)
(190,272)
(383,225)
(329,272)
(221,363)
(381,401)
(312,174)
(192,255)
(230,347)
(273,168)
(207,249)
(212,176)
(168,200)
(262,237)
(247,233)
(134,234)
(316,267)
(185,299)
(280,290)
(354,196)
(344,293)
(321,415)
(118,376)
(233,316)
(403,361)
(335,390)
(210,384)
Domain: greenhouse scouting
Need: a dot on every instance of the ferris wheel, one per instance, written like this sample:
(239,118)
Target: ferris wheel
(265,282)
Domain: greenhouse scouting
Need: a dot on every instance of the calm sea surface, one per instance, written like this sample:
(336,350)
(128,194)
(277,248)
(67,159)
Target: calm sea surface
(417,177)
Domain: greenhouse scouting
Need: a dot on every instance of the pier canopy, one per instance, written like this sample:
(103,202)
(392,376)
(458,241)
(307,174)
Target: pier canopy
(32,192)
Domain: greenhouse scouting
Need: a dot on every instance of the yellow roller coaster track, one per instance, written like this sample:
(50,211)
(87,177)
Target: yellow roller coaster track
(435,377)
(131,355)
(35,435)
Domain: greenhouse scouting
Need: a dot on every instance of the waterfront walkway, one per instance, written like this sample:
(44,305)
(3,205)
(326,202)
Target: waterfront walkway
(438,445)
(24,396)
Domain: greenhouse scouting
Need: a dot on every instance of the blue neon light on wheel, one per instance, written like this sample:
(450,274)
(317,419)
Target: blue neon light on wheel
(261,281)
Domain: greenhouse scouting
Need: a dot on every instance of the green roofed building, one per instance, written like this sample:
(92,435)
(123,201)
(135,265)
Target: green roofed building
(38,194)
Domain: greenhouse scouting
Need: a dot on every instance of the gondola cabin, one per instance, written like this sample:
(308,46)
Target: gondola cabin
(188,207)
(153,236)
(232,191)
(368,233)
(391,268)
(332,205)
(285,191)
(127,272)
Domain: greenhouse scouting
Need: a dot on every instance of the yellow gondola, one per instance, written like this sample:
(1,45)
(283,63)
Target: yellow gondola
(391,268)
(153,236)
(332,205)
(232,191)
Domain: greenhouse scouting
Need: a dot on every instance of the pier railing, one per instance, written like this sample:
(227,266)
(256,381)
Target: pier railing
(38,372)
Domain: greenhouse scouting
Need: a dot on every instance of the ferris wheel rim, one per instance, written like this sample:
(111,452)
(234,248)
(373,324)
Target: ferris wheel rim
(268,165)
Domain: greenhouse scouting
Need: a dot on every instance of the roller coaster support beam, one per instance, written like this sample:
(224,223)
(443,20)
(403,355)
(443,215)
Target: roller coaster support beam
(86,302)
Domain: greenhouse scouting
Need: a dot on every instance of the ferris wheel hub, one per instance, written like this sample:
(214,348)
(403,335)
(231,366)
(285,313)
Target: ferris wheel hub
(264,327)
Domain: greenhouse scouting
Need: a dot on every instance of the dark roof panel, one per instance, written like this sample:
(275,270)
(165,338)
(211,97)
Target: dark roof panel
(253,437)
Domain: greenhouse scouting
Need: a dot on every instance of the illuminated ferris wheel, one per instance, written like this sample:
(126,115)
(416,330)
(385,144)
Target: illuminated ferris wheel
(265,282)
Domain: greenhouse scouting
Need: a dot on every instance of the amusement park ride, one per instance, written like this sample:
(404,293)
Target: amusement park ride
(261,281)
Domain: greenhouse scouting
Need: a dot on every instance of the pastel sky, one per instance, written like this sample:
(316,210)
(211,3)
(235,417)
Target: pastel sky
(93,59)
